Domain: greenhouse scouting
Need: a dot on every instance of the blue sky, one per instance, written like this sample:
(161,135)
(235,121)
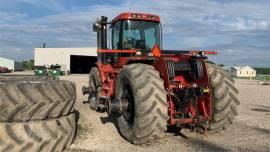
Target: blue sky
(238,30)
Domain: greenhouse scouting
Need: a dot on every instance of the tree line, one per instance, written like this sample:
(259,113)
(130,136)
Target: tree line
(262,70)
(28,65)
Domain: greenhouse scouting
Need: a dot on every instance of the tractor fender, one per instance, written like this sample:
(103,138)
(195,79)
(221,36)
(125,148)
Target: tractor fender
(161,66)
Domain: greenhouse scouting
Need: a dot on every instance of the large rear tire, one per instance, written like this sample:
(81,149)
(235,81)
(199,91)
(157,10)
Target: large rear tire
(224,98)
(96,85)
(24,100)
(38,136)
(146,115)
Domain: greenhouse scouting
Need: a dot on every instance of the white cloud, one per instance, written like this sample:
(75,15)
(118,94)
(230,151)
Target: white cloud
(11,17)
(249,24)
(186,23)
(54,5)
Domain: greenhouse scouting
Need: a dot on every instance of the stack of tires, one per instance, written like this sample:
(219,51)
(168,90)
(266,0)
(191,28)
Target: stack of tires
(36,114)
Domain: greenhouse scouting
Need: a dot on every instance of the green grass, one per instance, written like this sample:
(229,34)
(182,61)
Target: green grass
(263,77)
(260,70)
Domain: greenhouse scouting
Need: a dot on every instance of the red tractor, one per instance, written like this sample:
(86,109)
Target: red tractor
(152,90)
(4,70)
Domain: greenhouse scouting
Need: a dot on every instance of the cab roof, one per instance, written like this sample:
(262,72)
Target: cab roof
(136,16)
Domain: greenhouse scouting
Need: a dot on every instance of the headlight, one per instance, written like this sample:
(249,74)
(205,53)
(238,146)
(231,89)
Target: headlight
(138,53)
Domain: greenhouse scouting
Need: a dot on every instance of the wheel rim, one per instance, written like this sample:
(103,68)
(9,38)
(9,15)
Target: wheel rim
(127,98)
(94,97)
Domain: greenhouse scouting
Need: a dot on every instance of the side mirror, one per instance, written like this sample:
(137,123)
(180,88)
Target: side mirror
(95,27)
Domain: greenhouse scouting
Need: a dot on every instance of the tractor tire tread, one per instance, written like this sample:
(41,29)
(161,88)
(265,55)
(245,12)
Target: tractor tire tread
(95,76)
(224,98)
(151,113)
(25,100)
(37,136)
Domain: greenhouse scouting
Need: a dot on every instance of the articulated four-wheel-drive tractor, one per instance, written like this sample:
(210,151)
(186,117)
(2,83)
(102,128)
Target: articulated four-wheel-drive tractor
(151,90)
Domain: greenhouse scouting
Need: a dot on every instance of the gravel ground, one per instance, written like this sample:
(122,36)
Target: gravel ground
(251,131)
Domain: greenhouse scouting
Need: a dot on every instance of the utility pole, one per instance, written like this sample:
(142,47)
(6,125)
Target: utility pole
(249,78)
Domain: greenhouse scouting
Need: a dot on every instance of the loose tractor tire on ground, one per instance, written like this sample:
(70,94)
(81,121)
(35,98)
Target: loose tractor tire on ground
(151,90)
(36,114)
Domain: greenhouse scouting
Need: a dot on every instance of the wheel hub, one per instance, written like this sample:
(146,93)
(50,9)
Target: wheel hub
(127,104)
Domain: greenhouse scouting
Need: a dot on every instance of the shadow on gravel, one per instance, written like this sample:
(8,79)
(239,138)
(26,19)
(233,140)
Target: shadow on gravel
(77,150)
(200,144)
(86,102)
(77,117)
(261,108)
(267,107)
(180,134)
(176,132)
(110,119)
(203,145)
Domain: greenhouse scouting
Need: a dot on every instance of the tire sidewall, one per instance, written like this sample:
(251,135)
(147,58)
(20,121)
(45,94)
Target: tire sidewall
(149,106)
(95,83)
(126,128)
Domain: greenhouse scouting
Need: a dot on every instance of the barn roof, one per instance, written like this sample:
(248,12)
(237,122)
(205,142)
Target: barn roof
(242,67)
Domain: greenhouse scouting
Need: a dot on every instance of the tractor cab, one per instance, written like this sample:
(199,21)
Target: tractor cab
(135,34)
(129,33)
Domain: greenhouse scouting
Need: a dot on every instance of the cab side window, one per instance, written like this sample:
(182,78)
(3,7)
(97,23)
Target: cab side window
(116,36)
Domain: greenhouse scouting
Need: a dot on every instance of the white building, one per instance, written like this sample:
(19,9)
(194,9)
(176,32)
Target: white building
(244,71)
(11,64)
(74,60)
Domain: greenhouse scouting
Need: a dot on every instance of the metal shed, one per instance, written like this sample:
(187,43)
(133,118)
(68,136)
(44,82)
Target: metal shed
(71,60)
(11,64)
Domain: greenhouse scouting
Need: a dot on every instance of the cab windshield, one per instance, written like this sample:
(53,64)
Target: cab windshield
(134,34)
